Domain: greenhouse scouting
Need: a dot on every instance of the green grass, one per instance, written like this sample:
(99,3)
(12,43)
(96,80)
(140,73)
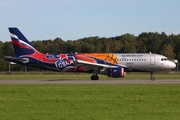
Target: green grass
(82,76)
(89,102)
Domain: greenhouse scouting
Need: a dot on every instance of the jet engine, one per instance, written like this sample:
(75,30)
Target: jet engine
(116,72)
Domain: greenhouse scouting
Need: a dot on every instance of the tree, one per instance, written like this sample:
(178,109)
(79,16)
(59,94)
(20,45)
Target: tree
(1,50)
(168,51)
(129,43)
(142,40)
(154,42)
(8,49)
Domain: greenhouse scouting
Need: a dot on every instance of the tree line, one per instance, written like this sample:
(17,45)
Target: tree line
(153,42)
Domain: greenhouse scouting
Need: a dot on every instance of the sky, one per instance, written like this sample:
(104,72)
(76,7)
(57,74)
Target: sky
(76,19)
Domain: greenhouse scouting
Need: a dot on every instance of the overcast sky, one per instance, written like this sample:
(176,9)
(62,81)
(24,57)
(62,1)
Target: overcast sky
(75,19)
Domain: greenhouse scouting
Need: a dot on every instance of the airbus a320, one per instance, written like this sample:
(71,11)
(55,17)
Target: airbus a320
(112,65)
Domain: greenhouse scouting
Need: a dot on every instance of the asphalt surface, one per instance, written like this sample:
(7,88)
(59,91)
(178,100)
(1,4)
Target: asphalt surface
(89,82)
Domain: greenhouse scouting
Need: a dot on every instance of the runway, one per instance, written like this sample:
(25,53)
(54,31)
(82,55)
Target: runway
(89,82)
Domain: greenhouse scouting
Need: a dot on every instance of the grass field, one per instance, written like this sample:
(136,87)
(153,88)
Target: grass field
(90,102)
(81,76)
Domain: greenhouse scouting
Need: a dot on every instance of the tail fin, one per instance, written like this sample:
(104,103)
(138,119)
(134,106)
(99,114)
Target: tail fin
(21,45)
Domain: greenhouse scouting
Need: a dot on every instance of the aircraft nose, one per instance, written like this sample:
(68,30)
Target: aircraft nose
(172,65)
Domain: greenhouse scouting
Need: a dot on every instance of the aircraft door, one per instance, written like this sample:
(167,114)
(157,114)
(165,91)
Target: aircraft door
(152,59)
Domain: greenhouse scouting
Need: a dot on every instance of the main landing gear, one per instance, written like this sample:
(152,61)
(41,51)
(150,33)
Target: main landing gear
(152,76)
(95,75)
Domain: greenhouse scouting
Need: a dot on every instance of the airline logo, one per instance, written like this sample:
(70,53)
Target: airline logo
(20,43)
(64,63)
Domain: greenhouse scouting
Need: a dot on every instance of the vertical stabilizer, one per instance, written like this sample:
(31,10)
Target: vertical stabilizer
(21,45)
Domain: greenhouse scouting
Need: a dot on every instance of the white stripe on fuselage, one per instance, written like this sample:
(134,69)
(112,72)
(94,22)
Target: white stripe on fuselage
(21,41)
(145,61)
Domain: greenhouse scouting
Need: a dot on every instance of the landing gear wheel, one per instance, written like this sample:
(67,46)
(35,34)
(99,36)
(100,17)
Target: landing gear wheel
(152,76)
(94,77)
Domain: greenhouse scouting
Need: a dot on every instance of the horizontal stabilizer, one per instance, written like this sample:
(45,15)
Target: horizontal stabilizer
(22,60)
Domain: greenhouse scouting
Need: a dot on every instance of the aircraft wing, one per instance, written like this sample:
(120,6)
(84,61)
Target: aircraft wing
(13,59)
(91,65)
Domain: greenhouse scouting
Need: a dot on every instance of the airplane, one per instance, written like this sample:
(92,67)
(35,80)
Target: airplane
(111,64)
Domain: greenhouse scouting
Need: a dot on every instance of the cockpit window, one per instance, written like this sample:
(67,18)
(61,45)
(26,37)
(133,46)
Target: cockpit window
(164,59)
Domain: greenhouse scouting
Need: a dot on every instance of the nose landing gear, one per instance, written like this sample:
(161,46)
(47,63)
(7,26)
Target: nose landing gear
(152,76)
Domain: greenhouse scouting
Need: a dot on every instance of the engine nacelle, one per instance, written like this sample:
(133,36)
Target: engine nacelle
(116,72)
